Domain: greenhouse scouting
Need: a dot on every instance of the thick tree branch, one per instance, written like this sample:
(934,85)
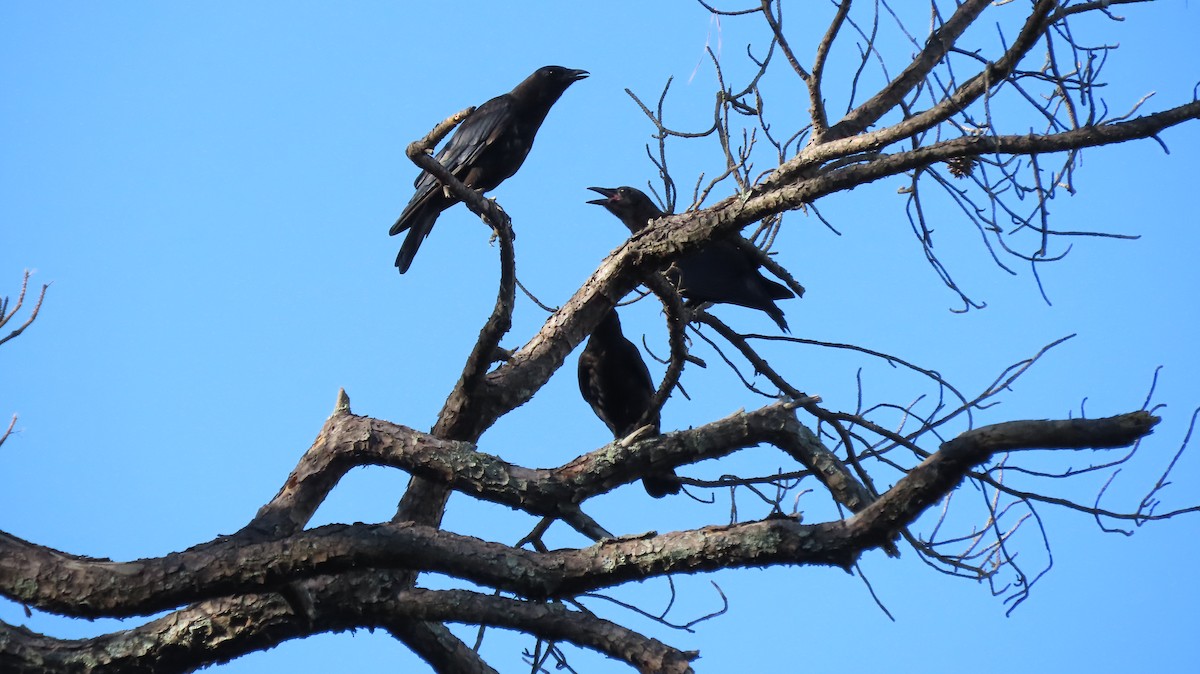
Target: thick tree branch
(348,440)
(92,588)
(207,633)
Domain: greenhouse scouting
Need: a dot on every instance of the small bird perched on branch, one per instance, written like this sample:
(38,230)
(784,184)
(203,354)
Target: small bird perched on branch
(615,381)
(485,150)
(720,272)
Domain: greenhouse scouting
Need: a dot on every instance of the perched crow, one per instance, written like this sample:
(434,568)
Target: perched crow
(720,272)
(486,149)
(615,382)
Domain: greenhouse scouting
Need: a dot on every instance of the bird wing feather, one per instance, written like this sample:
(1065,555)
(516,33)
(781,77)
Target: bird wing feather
(479,130)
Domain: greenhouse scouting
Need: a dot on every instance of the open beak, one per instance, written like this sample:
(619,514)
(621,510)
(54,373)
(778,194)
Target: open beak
(577,75)
(607,192)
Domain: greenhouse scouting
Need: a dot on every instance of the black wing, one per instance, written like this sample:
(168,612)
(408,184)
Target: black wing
(479,130)
(461,156)
(723,273)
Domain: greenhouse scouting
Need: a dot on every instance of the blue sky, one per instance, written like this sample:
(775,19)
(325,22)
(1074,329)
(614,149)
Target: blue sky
(208,188)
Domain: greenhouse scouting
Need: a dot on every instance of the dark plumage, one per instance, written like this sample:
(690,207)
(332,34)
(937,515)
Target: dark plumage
(720,272)
(487,148)
(614,380)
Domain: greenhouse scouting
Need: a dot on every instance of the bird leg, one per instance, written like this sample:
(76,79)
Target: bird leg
(488,220)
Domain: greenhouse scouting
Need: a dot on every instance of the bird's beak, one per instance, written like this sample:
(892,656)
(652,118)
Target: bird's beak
(577,75)
(607,192)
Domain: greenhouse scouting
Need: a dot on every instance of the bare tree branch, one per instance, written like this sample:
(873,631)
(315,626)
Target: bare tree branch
(7,315)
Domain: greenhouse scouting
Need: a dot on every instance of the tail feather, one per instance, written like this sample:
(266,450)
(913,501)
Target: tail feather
(418,218)
(418,229)
(406,218)
(400,225)
(776,315)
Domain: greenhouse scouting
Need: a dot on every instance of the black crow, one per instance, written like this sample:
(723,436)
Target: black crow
(614,380)
(720,272)
(486,149)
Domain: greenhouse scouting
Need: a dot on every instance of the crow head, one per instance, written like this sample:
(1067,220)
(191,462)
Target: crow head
(546,84)
(629,204)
